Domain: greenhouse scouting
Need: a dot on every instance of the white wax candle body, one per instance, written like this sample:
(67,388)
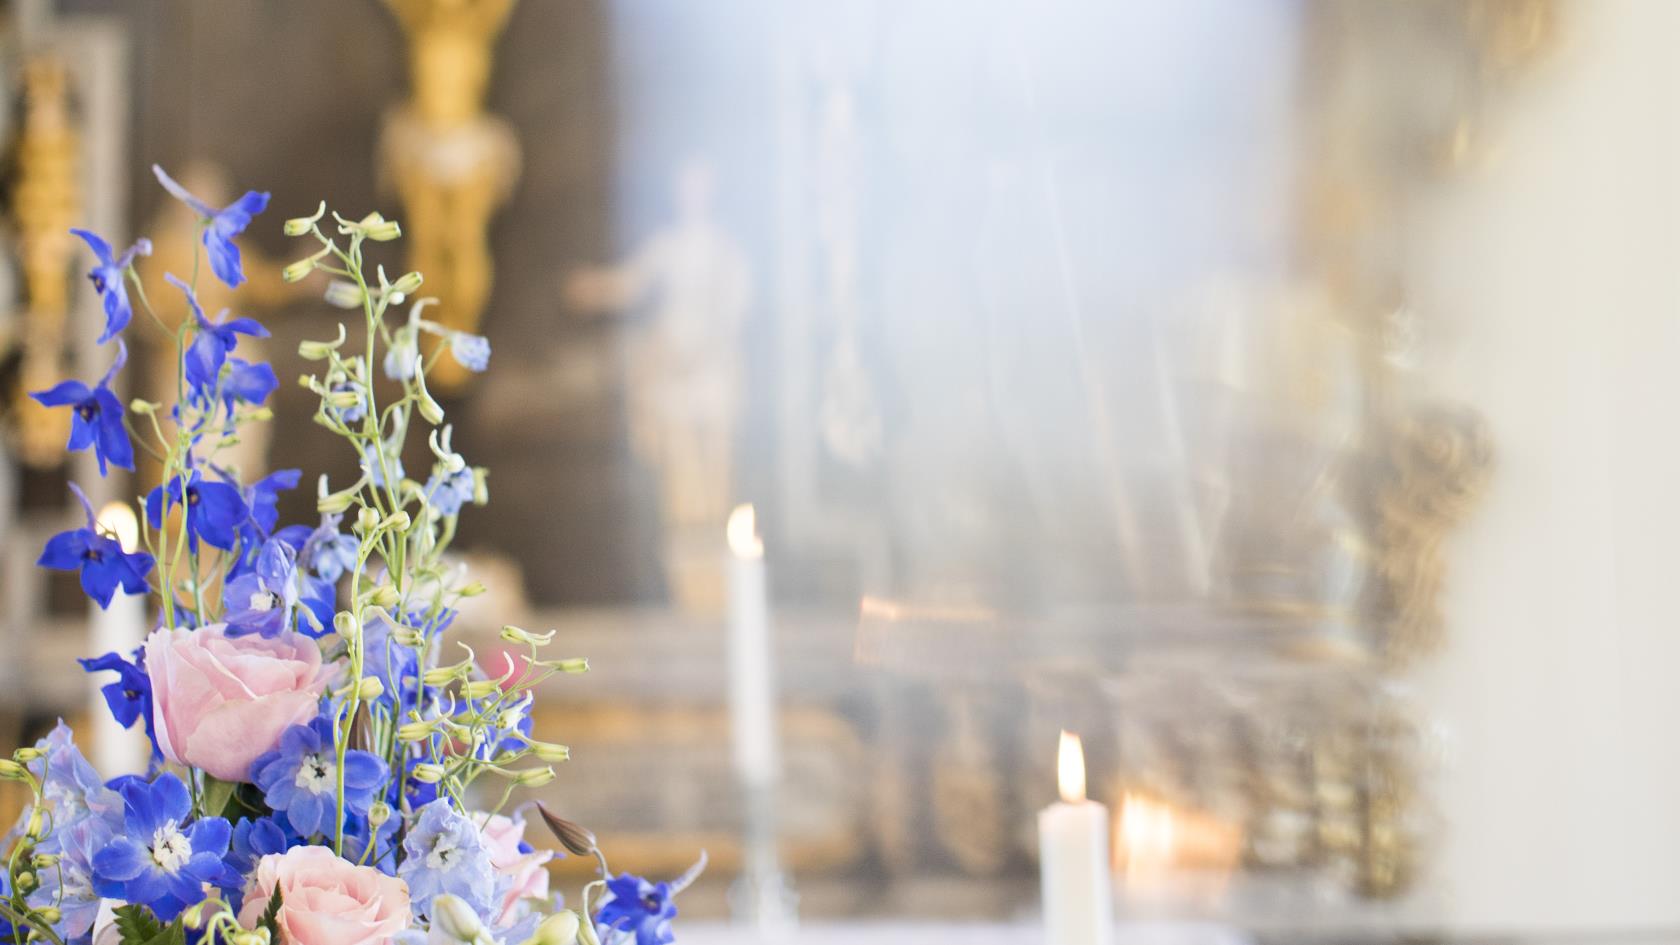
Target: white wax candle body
(116,629)
(752,701)
(1073,861)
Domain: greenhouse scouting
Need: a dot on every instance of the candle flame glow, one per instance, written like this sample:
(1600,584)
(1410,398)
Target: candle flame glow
(117,520)
(743,533)
(1070,768)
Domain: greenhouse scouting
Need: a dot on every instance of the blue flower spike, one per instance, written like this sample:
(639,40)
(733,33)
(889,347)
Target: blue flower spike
(220,226)
(97,418)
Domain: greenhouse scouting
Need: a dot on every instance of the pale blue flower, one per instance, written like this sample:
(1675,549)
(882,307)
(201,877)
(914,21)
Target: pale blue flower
(444,853)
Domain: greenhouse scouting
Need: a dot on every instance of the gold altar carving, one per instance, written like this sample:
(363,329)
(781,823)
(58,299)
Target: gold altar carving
(46,203)
(450,162)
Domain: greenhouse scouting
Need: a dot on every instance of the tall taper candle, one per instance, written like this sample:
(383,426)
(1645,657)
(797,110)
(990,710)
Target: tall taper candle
(118,628)
(1073,857)
(752,699)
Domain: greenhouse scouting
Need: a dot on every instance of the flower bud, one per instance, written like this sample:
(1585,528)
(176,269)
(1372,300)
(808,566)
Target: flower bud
(472,590)
(297,226)
(428,405)
(379,229)
(455,919)
(44,861)
(416,731)
(428,773)
(378,813)
(513,634)
(366,520)
(256,936)
(481,485)
(550,752)
(575,837)
(408,284)
(371,688)
(344,294)
(336,503)
(534,777)
(479,688)
(37,825)
(27,753)
(397,521)
(12,771)
(407,636)
(575,666)
(295,272)
(26,882)
(561,928)
(344,623)
(49,914)
(319,350)
(385,596)
(441,675)
(343,399)
(144,408)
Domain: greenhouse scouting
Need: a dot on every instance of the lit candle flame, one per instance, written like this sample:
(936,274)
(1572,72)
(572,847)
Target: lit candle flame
(1070,768)
(117,520)
(743,533)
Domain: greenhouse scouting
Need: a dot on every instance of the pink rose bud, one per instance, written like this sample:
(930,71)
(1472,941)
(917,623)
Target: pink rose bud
(326,900)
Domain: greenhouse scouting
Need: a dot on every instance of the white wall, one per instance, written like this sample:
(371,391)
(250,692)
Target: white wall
(1551,278)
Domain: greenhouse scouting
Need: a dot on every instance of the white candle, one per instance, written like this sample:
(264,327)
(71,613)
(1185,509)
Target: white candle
(752,703)
(1073,857)
(118,628)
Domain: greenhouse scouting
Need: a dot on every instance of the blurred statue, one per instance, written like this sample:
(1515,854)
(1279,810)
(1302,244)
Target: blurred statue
(174,230)
(685,365)
(451,164)
(46,203)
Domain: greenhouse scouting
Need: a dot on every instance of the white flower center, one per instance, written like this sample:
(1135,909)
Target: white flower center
(317,775)
(262,601)
(442,854)
(170,848)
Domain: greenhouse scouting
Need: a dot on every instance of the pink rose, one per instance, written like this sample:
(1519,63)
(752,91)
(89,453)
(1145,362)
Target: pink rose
(218,702)
(326,900)
(524,871)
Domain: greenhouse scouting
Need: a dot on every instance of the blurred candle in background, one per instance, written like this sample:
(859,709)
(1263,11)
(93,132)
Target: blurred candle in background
(751,684)
(116,629)
(1073,857)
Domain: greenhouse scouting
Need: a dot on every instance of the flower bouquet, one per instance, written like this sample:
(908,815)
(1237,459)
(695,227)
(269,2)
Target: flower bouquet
(326,769)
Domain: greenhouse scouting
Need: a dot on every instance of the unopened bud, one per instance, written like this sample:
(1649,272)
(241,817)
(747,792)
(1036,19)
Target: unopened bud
(481,485)
(397,521)
(344,623)
(534,777)
(318,350)
(298,270)
(371,688)
(575,666)
(297,226)
(344,399)
(27,753)
(143,407)
(49,914)
(344,294)
(12,771)
(561,928)
(428,773)
(409,283)
(379,229)
(36,828)
(441,675)
(26,882)
(479,688)
(44,861)
(455,919)
(472,590)
(366,520)
(513,634)
(575,837)
(550,752)
(385,596)
(415,731)
(378,813)
(335,503)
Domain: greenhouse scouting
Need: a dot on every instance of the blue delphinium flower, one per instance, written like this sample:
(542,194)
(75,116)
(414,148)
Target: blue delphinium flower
(328,551)
(444,853)
(639,908)
(375,469)
(110,280)
(263,498)
(214,510)
(247,382)
(105,566)
(158,859)
(213,342)
(300,778)
(221,225)
(70,784)
(68,885)
(97,420)
(255,839)
(447,492)
(261,599)
(130,697)
(472,351)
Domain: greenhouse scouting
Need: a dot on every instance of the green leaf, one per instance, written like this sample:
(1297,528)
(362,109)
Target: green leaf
(137,925)
(218,796)
(175,933)
(270,916)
